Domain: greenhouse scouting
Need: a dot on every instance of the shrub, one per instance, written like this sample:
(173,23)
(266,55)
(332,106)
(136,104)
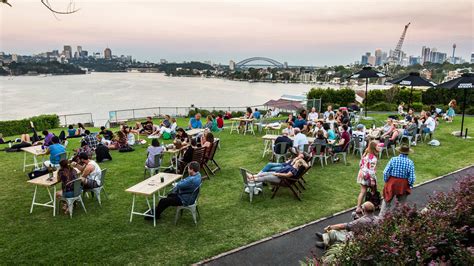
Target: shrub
(404,95)
(440,234)
(469,111)
(341,97)
(383,106)
(375,96)
(17,127)
(417,106)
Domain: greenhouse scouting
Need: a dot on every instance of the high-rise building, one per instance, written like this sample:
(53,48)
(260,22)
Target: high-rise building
(378,57)
(453,58)
(76,55)
(437,57)
(413,60)
(84,53)
(79,51)
(14,58)
(107,53)
(371,60)
(425,54)
(365,59)
(231,65)
(472,58)
(67,51)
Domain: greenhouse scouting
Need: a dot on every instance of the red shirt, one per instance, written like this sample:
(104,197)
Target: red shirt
(220,122)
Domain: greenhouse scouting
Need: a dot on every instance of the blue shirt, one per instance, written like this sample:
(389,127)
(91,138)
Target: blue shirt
(331,134)
(54,151)
(71,132)
(299,123)
(256,115)
(195,123)
(400,167)
(186,187)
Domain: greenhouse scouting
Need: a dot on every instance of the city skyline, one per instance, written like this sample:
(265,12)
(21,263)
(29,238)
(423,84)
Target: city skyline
(300,33)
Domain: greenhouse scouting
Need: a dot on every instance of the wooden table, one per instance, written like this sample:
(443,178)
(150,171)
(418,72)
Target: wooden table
(43,181)
(36,151)
(236,123)
(150,187)
(194,131)
(268,140)
(175,153)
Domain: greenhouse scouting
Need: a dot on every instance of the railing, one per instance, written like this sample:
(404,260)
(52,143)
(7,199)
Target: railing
(71,119)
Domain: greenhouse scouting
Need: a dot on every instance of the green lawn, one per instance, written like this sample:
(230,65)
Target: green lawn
(104,235)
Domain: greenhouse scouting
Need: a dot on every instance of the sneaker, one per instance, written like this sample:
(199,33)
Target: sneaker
(319,235)
(336,160)
(320,245)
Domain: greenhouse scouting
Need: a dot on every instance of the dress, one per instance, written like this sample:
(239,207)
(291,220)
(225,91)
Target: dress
(367,170)
(450,112)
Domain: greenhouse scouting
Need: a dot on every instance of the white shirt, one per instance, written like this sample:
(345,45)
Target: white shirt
(327,113)
(289,131)
(430,123)
(299,141)
(96,173)
(359,135)
(313,116)
(131,139)
(400,110)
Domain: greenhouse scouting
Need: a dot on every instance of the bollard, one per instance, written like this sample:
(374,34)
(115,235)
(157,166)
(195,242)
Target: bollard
(465,134)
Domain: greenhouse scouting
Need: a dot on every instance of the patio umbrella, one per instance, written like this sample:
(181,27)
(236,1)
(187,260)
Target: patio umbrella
(367,72)
(466,82)
(413,79)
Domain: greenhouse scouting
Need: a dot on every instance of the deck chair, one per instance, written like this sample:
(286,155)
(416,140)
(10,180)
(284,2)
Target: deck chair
(98,190)
(290,183)
(199,156)
(157,163)
(283,151)
(193,208)
(211,157)
(251,186)
(76,196)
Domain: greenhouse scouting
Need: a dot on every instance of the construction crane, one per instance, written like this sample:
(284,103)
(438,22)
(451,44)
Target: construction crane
(395,57)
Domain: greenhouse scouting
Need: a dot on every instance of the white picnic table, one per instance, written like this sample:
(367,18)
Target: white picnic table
(194,131)
(35,151)
(236,123)
(151,187)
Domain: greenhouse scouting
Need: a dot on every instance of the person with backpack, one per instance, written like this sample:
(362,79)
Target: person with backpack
(367,176)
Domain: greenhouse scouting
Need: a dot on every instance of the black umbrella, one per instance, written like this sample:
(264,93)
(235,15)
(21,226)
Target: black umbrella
(413,79)
(466,81)
(367,72)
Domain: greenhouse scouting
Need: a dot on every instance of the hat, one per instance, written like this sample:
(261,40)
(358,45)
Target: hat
(404,149)
(360,126)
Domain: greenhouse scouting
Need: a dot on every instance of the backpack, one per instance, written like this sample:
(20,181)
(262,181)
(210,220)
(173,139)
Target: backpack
(373,195)
(102,153)
(37,173)
(166,135)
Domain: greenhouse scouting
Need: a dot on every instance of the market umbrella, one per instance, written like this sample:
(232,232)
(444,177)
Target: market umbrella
(367,72)
(413,79)
(466,82)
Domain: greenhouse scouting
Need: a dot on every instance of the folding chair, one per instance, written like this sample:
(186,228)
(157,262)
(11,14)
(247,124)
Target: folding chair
(358,147)
(251,186)
(76,196)
(385,148)
(283,151)
(343,152)
(99,189)
(193,208)
(211,157)
(290,183)
(157,163)
(318,154)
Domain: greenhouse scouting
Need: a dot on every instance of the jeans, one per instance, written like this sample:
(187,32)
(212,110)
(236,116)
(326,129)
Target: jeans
(272,167)
(268,176)
(171,200)
(426,130)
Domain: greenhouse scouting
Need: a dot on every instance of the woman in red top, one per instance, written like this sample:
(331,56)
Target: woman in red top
(220,121)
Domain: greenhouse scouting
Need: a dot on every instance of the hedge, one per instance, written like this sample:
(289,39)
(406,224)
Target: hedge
(17,127)
(341,97)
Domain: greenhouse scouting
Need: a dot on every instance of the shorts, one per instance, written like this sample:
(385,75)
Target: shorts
(89,184)
(68,194)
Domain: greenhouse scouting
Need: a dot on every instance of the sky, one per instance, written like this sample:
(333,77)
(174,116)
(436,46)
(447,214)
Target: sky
(316,33)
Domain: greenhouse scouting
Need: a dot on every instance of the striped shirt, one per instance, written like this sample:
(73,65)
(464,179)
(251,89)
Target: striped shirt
(400,167)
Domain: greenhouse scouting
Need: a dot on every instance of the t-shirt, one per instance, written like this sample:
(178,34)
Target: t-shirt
(71,132)
(300,141)
(347,138)
(220,122)
(256,115)
(430,123)
(331,134)
(313,116)
(287,169)
(47,139)
(299,123)
(54,151)
(195,123)
(327,113)
(359,135)
(152,151)
(108,135)
(166,123)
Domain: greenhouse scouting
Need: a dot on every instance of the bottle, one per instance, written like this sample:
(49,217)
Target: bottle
(50,172)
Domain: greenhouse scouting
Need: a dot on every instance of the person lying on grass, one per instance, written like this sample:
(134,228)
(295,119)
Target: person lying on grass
(288,171)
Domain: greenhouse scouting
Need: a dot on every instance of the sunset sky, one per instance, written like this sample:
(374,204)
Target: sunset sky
(299,32)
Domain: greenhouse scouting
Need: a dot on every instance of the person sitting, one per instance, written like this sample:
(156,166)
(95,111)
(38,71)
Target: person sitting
(318,127)
(120,141)
(331,134)
(300,122)
(66,175)
(313,116)
(300,140)
(90,172)
(208,124)
(47,138)
(195,122)
(153,150)
(90,139)
(283,138)
(220,121)
(275,113)
(289,130)
(182,135)
(227,115)
(400,109)
(273,167)
(71,131)
(360,134)
(388,128)
(411,128)
(54,150)
(106,133)
(84,148)
(207,141)
(290,120)
(430,124)
(328,112)
(257,114)
(331,121)
(81,130)
(130,136)
(304,114)
(102,153)
(343,143)
(409,115)
(182,193)
(321,140)
(288,171)
(341,232)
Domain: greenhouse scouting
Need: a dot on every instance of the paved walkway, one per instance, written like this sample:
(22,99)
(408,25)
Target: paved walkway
(290,247)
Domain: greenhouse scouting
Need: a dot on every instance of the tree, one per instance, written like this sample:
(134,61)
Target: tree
(69,10)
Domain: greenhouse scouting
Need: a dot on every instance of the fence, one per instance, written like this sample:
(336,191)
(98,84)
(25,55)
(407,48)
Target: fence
(316,103)
(71,119)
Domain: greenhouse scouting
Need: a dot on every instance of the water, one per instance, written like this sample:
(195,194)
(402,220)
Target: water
(99,93)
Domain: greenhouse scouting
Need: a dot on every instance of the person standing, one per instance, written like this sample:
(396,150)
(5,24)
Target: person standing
(450,114)
(367,173)
(399,177)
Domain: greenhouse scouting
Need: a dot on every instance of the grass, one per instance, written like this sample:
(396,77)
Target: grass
(104,235)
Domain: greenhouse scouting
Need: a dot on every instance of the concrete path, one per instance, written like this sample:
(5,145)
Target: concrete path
(289,247)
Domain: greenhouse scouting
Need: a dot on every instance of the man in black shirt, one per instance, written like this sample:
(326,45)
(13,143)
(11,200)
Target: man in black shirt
(108,135)
(280,139)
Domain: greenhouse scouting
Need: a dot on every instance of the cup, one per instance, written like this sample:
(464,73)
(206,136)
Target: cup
(162,179)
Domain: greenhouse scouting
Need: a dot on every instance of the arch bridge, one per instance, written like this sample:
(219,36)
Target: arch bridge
(271,62)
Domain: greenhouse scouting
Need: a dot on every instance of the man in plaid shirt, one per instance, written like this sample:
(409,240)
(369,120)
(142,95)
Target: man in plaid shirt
(399,177)
(91,140)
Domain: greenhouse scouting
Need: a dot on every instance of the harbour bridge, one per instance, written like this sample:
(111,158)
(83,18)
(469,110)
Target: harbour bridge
(249,62)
